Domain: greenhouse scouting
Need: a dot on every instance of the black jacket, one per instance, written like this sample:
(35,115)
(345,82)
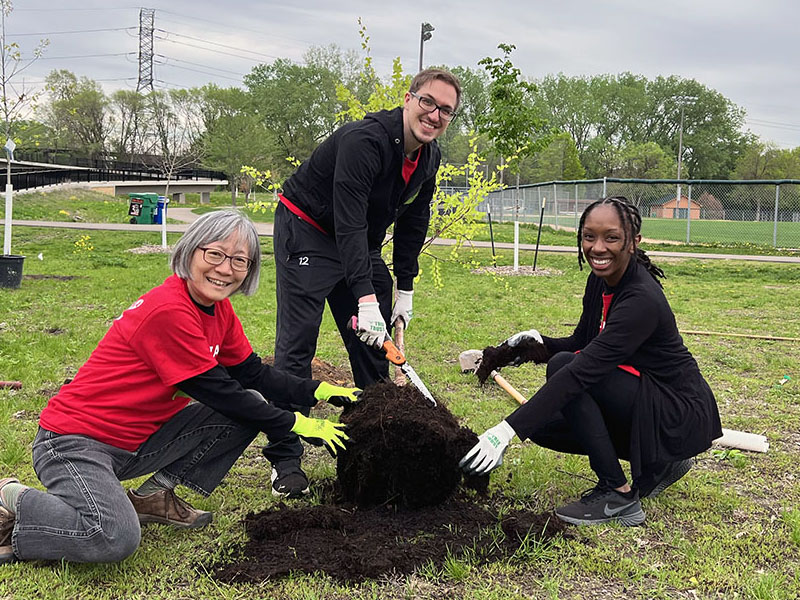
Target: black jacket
(675,414)
(352,186)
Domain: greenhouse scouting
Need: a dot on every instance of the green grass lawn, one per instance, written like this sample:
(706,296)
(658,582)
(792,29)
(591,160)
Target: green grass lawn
(729,529)
(722,237)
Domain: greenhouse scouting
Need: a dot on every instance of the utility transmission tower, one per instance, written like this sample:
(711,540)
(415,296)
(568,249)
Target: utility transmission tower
(146,26)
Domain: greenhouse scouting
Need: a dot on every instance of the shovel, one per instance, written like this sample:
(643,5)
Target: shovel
(470,360)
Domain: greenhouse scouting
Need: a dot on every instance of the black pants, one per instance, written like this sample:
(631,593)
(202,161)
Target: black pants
(309,273)
(597,423)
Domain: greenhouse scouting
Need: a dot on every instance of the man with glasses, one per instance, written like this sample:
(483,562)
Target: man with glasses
(329,228)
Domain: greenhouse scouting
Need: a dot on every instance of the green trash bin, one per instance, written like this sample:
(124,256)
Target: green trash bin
(142,208)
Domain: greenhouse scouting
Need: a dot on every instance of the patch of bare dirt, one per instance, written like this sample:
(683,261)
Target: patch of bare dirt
(57,277)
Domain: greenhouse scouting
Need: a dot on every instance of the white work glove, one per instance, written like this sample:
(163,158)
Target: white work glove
(370,327)
(514,340)
(487,454)
(403,307)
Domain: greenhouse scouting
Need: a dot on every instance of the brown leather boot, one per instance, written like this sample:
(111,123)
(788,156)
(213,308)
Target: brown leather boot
(7,519)
(166,508)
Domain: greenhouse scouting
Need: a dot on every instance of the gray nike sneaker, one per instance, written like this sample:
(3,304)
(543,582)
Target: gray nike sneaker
(602,504)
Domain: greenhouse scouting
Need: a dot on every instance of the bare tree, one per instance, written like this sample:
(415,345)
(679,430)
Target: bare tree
(16,102)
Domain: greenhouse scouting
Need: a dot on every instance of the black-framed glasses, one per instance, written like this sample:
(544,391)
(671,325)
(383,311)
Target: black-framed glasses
(216,257)
(428,105)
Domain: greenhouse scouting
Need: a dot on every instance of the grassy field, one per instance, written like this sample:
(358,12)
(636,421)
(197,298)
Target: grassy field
(722,237)
(729,529)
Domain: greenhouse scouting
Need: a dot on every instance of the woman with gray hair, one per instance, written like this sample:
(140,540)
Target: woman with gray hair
(128,412)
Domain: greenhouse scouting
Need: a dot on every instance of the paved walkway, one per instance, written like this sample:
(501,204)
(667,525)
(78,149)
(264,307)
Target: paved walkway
(265,229)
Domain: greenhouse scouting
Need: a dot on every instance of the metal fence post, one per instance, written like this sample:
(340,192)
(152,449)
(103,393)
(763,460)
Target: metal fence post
(689,213)
(555,204)
(576,206)
(775,222)
(604,187)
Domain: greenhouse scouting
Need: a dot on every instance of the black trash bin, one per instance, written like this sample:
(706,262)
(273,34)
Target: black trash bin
(11,270)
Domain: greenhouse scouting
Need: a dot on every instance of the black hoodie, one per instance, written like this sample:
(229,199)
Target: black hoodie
(352,186)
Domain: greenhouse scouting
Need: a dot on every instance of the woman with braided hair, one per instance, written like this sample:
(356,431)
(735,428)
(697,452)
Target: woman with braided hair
(622,386)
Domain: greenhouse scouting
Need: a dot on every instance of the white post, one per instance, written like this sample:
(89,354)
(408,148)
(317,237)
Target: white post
(164,223)
(8,215)
(516,245)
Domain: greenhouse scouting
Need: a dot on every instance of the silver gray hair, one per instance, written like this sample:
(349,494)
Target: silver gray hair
(213,227)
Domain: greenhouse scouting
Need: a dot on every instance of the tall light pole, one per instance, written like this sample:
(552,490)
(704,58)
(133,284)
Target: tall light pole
(424,36)
(684,100)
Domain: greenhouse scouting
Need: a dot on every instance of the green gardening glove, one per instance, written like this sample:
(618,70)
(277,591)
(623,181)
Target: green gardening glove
(320,432)
(337,396)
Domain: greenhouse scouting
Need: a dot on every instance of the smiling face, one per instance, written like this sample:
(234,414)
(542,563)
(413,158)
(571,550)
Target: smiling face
(421,127)
(603,244)
(211,283)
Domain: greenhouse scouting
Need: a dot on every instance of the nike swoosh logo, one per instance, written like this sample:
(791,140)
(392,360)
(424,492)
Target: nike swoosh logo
(611,512)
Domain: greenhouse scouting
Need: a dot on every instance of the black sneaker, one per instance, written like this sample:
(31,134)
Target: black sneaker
(288,479)
(651,486)
(602,505)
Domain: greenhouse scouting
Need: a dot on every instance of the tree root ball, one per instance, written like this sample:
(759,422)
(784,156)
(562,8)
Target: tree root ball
(403,451)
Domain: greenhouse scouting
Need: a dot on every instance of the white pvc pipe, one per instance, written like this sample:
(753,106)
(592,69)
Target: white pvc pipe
(516,245)
(8,215)
(743,441)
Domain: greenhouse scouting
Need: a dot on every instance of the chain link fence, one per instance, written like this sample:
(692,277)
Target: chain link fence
(763,212)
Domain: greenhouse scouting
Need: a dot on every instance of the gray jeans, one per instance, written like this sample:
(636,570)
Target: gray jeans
(85,515)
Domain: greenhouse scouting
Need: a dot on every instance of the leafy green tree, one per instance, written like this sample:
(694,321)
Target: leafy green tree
(646,160)
(558,161)
(296,103)
(129,124)
(512,121)
(77,112)
(233,135)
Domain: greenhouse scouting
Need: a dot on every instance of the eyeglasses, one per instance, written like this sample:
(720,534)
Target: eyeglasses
(426,104)
(216,257)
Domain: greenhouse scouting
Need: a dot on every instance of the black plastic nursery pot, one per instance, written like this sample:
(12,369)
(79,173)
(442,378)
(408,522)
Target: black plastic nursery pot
(11,270)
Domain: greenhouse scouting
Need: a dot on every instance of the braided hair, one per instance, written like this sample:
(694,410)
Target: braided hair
(631,225)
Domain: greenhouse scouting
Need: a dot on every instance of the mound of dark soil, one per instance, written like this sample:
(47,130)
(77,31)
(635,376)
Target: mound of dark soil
(393,507)
(496,357)
(402,451)
(353,544)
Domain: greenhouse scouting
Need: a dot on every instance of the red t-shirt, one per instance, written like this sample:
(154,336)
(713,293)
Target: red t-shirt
(127,389)
(409,166)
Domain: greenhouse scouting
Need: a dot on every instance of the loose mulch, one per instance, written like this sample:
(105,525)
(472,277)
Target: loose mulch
(522,270)
(496,357)
(399,502)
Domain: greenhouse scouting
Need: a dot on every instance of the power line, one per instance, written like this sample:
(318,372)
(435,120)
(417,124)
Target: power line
(215,44)
(82,56)
(170,58)
(775,124)
(238,29)
(67,32)
(203,72)
(208,49)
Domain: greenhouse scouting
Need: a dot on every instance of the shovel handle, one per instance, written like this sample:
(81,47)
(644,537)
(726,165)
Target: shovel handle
(501,381)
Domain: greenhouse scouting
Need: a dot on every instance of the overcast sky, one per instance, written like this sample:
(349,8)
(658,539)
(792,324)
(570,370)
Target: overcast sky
(745,49)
